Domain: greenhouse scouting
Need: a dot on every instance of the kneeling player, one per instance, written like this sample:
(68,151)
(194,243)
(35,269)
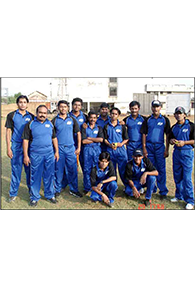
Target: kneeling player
(140,173)
(103,180)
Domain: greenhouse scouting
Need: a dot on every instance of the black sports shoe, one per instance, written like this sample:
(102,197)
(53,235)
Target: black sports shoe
(57,194)
(85,192)
(163,197)
(33,203)
(77,194)
(12,198)
(52,200)
(147,202)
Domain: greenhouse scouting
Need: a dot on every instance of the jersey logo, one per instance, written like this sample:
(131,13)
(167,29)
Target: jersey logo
(81,120)
(27,119)
(118,131)
(95,132)
(69,123)
(143,169)
(184,130)
(139,123)
(47,125)
(159,124)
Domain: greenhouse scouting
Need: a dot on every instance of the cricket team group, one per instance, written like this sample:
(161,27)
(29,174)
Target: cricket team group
(137,145)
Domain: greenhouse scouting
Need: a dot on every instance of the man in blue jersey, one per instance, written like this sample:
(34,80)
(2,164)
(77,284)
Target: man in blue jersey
(92,136)
(134,123)
(65,127)
(40,134)
(182,137)
(116,137)
(153,129)
(80,117)
(15,124)
(103,180)
(102,120)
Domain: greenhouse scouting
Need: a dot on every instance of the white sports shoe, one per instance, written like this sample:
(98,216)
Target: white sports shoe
(189,206)
(141,191)
(175,199)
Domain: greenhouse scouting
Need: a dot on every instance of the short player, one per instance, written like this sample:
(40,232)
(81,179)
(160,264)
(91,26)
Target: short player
(182,137)
(103,119)
(15,124)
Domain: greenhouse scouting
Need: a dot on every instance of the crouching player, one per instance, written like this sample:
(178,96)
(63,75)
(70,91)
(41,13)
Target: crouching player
(103,180)
(182,137)
(140,173)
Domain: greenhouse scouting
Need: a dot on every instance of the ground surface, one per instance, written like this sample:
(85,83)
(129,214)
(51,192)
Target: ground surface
(67,201)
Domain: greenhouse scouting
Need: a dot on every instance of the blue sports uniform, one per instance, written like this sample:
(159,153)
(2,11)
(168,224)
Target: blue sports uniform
(114,134)
(183,158)
(42,159)
(91,152)
(101,122)
(81,119)
(16,122)
(134,172)
(65,130)
(154,129)
(110,188)
(134,134)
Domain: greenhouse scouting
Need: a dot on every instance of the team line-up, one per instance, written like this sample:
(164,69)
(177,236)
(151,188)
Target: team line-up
(51,150)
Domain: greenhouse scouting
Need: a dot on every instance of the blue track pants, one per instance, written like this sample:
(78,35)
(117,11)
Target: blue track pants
(109,189)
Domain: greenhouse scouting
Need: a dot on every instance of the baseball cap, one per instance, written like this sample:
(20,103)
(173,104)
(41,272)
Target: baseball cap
(104,105)
(180,110)
(137,152)
(156,103)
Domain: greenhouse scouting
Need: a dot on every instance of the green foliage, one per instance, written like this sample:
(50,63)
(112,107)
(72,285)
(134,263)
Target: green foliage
(11,99)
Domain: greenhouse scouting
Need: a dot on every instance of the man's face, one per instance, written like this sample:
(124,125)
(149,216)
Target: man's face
(179,117)
(22,104)
(42,114)
(114,115)
(138,159)
(76,106)
(104,112)
(63,109)
(156,110)
(92,119)
(134,110)
(103,163)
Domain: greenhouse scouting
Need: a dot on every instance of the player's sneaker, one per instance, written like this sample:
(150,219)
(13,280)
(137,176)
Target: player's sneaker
(57,194)
(162,197)
(12,198)
(52,200)
(175,199)
(141,191)
(147,202)
(33,203)
(77,194)
(189,206)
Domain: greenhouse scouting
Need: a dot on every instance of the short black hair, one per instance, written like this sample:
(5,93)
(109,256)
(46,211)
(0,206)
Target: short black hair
(41,106)
(119,112)
(134,103)
(104,105)
(92,113)
(104,155)
(77,100)
(63,102)
(22,97)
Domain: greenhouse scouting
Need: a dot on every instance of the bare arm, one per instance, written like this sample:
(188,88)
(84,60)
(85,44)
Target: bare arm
(25,150)
(144,145)
(123,143)
(55,144)
(166,153)
(8,141)
(78,150)
(96,140)
(145,174)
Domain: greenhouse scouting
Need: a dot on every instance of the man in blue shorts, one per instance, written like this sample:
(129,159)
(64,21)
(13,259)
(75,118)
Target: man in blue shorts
(182,137)
(15,124)
(40,134)
(153,129)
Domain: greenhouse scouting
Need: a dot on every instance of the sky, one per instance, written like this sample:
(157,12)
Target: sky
(29,85)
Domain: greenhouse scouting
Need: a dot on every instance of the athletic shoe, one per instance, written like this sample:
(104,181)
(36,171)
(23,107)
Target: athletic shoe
(33,203)
(142,191)
(74,193)
(110,205)
(57,194)
(12,198)
(147,202)
(52,200)
(85,192)
(175,199)
(189,206)
(163,197)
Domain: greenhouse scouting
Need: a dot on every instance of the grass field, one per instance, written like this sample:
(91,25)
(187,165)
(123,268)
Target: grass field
(67,201)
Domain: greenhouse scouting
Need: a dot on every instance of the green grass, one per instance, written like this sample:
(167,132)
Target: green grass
(67,201)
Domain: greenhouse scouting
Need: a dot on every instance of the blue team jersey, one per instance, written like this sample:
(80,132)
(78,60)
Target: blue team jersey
(155,128)
(81,119)
(96,132)
(115,134)
(16,122)
(134,127)
(183,132)
(65,129)
(40,136)
(100,122)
